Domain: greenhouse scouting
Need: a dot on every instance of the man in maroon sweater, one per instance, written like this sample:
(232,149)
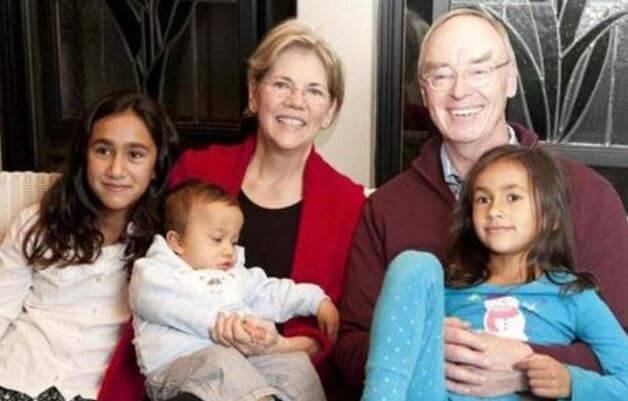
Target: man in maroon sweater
(467,72)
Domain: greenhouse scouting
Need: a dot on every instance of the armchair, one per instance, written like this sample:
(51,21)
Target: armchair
(18,190)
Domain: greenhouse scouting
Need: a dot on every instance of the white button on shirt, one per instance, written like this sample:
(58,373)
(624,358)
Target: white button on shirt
(58,326)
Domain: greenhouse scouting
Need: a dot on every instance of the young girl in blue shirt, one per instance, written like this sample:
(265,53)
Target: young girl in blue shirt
(509,274)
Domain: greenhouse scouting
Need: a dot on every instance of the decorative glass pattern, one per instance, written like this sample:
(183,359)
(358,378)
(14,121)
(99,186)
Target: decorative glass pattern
(149,30)
(82,26)
(573,62)
(573,77)
(180,52)
(204,73)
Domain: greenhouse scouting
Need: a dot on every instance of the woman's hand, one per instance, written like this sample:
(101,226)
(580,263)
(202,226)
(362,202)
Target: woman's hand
(547,377)
(328,319)
(253,336)
(249,335)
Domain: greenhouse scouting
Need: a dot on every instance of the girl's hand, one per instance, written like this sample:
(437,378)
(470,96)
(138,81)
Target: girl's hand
(547,377)
(328,319)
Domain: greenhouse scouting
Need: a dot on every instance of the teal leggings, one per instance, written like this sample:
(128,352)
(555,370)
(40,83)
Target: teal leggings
(406,355)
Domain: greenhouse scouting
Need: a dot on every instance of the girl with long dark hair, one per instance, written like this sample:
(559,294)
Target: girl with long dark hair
(64,264)
(509,275)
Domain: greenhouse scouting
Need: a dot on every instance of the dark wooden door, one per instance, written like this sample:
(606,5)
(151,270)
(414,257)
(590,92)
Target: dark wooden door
(58,56)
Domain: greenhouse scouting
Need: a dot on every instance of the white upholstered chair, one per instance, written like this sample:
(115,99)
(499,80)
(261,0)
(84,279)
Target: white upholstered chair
(18,190)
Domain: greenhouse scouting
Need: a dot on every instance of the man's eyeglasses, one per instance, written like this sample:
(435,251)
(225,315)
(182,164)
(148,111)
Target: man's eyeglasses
(313,95)
(441,79)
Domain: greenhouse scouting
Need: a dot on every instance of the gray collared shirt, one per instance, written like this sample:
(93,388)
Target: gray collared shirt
(452,178)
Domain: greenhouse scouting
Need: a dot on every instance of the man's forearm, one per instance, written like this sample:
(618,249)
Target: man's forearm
(577,354)
(350,355)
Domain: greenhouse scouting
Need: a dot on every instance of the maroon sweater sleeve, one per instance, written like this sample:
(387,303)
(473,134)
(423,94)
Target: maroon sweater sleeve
(365,273)
(601,237)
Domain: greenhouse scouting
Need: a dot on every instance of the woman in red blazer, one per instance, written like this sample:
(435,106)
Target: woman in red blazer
(300,213)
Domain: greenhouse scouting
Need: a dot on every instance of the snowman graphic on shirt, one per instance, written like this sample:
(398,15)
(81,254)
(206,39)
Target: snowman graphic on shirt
(504,318)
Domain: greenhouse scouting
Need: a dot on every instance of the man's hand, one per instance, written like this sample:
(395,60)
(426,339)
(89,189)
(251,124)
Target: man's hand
(493,383)
(463,348)
(547,377)
(481,365)
(504,353)
(328,319)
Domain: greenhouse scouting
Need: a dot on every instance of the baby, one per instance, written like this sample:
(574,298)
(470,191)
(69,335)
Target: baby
(197,272)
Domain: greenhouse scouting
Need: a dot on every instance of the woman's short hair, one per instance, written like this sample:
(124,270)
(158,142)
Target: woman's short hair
(290,35)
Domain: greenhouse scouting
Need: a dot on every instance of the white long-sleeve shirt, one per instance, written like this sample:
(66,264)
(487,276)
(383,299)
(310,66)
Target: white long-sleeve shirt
(58,326)
(174,306)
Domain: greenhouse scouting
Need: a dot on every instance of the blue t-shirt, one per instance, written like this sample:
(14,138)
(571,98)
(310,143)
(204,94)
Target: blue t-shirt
(540,313)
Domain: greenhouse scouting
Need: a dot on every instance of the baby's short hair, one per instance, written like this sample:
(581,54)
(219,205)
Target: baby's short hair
(182,198)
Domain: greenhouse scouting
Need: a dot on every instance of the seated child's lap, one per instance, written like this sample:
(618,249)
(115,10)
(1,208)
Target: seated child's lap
(221,373)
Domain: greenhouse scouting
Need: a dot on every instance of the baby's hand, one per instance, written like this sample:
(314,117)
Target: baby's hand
(547,377)
(257,333)
(328,319)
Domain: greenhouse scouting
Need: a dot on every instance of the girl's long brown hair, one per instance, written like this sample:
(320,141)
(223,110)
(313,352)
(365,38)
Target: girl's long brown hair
(66,231)
(552,249)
